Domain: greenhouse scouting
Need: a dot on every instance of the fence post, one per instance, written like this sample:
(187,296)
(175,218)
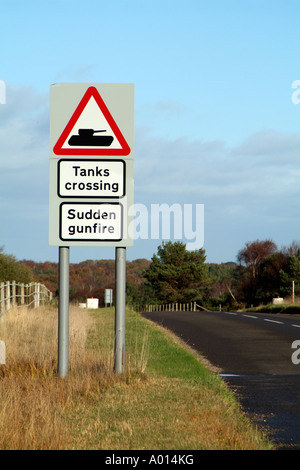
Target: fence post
(37,295)
(2,297)
(29,294)
(13,293)
(7,297)
(22,293)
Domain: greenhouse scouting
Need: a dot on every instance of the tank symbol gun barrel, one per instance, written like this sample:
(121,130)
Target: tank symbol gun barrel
(86,137)
(89,132)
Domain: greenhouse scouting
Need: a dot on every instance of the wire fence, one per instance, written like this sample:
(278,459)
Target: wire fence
(13,295)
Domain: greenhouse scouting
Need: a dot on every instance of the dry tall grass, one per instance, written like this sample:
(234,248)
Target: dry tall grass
(93,408)
(33,400)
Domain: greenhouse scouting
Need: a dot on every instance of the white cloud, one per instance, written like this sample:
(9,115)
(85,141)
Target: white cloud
(24,157)
(272,147)
(251,189)
(24,129)
(262,168)
(261,174)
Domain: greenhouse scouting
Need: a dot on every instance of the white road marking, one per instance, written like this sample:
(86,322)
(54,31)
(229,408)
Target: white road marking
(265,319)
(229,375)
(273,321)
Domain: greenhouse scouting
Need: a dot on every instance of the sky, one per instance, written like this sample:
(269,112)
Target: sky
(217,113)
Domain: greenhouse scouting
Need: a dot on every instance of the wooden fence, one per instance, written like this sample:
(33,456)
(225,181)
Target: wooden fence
(14,295)
(175,307)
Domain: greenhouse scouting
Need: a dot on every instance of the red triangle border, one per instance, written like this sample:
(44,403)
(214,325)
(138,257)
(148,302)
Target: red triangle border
(123,151)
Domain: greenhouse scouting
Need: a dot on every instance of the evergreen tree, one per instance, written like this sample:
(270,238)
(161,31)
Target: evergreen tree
(175,274)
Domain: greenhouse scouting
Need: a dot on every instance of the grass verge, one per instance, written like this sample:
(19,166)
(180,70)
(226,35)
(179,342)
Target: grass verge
(166,399)
(288,308)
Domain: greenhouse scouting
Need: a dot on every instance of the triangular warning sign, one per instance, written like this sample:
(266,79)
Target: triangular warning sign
(91,130)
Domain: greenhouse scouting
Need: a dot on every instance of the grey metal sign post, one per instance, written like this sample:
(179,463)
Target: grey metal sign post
(91,187)
(120,310)
(63,312)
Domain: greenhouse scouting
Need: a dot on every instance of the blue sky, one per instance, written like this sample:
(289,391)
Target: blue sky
(215,123)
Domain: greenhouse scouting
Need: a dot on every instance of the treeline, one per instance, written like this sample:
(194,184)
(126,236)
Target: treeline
(87,279)
(261,272)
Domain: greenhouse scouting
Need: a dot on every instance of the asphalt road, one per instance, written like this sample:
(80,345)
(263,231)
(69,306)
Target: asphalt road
(253,353)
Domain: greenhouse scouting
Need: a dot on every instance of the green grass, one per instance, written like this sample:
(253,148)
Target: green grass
(151,347)
(167,398)
(289,308)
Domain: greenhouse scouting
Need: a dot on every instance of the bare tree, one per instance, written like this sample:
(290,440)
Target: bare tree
(254,253)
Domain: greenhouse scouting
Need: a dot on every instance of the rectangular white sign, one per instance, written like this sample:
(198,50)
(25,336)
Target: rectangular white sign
(91,221)
(91,168)
(91,178)
(108,296)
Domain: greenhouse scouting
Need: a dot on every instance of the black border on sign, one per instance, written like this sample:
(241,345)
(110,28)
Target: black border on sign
(91,160)
(98,240)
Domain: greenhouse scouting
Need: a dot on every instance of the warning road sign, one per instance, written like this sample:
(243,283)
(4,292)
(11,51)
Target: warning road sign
(91,174)
(91,130)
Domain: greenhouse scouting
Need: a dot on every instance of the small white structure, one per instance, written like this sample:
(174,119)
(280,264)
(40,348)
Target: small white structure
(82,305)
(2,352)
(92,303)
(278,300)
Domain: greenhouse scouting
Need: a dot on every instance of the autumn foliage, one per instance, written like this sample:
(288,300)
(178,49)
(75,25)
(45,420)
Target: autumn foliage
(88,279)
(261,272)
